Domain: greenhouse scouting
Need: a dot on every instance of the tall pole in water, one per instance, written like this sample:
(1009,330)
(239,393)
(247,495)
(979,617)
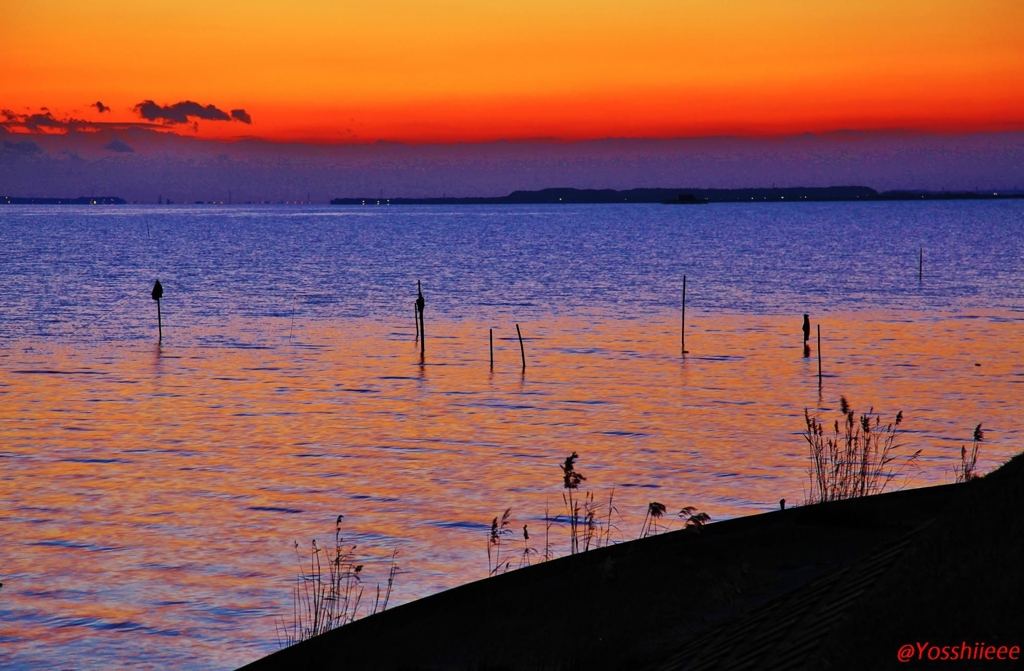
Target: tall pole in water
(920,265)
(158,292)
(522,350)
(420,304)
(683,311)
(819,356)
(491,334)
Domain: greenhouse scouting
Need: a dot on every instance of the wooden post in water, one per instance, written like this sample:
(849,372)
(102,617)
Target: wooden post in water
(920,265)
(522,351)
(683,312)
(158,292)
(420,304)
(819,356)
(491,333)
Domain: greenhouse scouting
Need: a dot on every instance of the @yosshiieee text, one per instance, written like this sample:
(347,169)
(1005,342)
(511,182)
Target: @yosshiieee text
(978,651)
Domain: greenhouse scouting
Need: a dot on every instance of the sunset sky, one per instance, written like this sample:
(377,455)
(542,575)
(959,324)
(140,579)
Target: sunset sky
(333,71)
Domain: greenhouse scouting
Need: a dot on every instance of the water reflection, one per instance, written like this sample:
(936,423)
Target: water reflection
(159,493)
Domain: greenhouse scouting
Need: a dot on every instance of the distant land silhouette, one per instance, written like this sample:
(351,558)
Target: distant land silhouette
(570,196)
(687,196)
(81,200)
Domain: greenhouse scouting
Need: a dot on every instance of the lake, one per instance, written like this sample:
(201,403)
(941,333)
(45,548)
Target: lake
(152,494)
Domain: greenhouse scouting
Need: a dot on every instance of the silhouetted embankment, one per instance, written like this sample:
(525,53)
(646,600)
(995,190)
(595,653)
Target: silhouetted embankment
(840,584)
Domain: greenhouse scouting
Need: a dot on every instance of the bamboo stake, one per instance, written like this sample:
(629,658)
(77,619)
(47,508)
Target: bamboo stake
(683,312)
(420,304)
(920,265)
(491,333)
(819,356)
(522,351)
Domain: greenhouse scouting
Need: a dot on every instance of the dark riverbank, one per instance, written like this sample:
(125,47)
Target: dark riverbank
(842,585)
(689,196)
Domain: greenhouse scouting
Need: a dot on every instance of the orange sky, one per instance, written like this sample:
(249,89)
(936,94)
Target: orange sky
(450,70)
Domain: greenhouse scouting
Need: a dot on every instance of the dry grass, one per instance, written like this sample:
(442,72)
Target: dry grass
(591,524)
(969,460)
(571,479)
(857,459)
(652,525)
(655,511)
(524,559)
(494,541)
(322,601)
(692,519)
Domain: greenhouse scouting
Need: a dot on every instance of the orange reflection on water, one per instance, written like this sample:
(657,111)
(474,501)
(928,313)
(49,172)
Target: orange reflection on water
(157,492)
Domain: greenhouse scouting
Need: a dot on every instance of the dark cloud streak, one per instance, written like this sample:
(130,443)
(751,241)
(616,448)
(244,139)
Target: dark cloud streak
(157,116)
(44,123)
(187,111)
(38,122)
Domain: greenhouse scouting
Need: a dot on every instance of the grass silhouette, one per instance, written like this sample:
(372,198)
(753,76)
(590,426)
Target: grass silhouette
(322,601)
(968,463)
(855,460)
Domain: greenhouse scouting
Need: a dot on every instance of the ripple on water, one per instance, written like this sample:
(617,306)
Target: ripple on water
(265,415)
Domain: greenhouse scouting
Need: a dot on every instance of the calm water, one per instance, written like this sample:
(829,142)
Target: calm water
(151,496)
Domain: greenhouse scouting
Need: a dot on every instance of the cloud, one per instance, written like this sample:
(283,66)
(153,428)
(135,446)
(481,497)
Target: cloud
(119,147)
(41,121)
(44,123)
(23,148)
(187,111)
(156,117)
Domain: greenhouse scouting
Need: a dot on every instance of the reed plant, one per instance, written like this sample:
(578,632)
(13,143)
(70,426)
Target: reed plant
(858,458)
(692,519)
(652,524)
(969,460)
(548,522)
(324,600)
(571,479)
(378,605)
(655,511)
(494,541)
(591,523)
(528,552)
(586,527)
(605,532)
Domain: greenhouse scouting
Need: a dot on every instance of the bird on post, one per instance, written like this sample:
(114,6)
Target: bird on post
(158,291)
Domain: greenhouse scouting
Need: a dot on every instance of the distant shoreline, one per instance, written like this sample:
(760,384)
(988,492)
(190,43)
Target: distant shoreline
(689,196)
(569,196)
(81,200)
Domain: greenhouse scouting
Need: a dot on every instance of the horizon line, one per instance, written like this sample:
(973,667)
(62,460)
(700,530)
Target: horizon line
(113,127)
